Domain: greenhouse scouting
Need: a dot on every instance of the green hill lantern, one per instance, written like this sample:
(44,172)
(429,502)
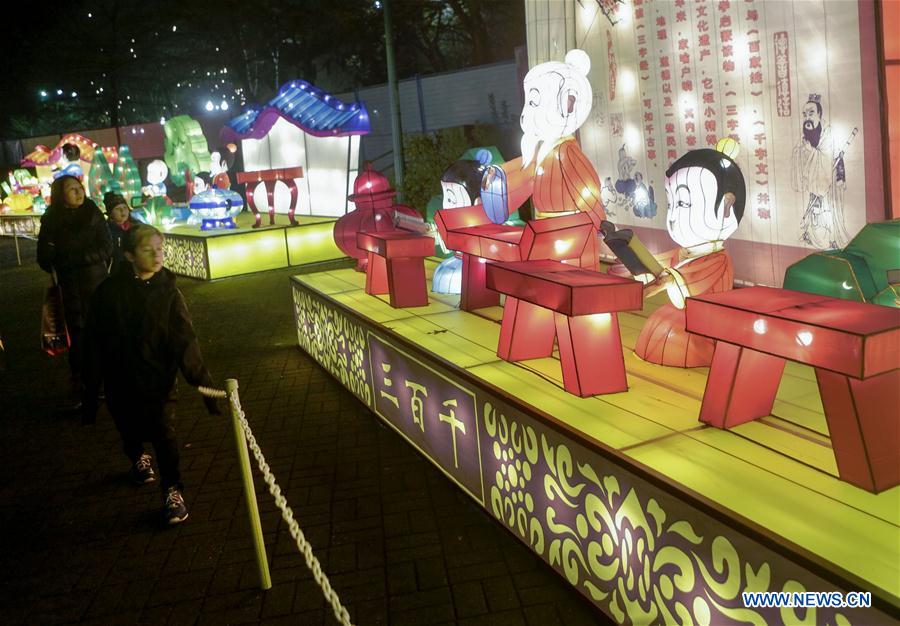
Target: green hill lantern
(186,148)
(100,179)
(126,174)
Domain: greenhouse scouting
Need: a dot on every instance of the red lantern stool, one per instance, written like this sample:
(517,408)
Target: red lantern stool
(577,307)
(854,348)
(396,265)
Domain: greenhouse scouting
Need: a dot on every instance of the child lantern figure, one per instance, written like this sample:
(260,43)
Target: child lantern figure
(459,186)
(552,169)
(706,193)
(156,177)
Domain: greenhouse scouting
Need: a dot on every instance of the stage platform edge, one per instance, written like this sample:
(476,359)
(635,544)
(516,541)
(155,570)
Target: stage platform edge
(594,500)
(209,255)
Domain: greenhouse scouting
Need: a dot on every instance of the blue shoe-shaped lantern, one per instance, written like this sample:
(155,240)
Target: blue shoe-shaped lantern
(215,208)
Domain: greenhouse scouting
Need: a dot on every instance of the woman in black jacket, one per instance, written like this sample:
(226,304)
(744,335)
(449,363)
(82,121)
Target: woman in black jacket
(75,242)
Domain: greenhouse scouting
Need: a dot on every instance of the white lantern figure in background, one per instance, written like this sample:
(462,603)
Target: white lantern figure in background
(157,171)
(558,101)
(220,162)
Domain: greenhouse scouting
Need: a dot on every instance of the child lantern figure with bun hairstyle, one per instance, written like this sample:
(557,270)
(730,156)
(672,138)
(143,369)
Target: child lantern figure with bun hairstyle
(705,192)
(552,169)
(460,185)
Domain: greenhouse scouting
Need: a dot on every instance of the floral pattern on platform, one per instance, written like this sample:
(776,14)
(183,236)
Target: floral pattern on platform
(516,451)
(636,561)
(335,340)
(186,257)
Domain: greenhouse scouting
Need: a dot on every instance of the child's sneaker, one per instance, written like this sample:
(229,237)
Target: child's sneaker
(176,511)
(142,472)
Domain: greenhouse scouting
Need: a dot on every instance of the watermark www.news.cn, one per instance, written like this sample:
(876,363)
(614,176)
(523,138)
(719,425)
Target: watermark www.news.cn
(807,599)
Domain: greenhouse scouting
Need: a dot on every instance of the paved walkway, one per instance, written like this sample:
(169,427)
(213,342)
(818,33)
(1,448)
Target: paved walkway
(80,543)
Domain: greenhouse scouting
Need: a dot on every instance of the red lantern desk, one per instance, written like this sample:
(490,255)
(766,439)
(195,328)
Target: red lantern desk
(469,231)
(854,347)
(397,265)
(548,299)
(270,178)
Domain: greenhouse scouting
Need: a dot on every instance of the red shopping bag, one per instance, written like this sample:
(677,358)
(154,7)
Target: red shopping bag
(54,332)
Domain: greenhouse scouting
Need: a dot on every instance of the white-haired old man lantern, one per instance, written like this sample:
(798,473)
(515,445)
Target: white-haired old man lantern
(552,169)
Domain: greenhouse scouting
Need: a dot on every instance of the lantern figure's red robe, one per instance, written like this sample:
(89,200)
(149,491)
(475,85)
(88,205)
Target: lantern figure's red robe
(663,339)
(563,182)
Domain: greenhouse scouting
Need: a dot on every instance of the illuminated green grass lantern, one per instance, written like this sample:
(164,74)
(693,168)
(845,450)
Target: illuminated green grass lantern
(126,174)
(100,179)
(867,270)
(186,148)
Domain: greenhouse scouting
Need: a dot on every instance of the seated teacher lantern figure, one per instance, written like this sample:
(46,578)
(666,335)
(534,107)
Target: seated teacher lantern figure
(552,169)
(705,191)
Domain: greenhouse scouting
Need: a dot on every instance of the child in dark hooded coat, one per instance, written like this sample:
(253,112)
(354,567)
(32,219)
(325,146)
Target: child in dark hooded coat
(139,334)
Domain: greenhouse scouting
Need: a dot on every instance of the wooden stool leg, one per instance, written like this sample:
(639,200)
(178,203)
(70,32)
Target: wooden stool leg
(590,353)
(526,331)
(406,282)
(376,275)
(864,424)
(295,193)
(475,294)
(741,387)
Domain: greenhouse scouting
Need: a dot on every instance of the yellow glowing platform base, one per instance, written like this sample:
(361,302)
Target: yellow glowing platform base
(215,254)
(652,515)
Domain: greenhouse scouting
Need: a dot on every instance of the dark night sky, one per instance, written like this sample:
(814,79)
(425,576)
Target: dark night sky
(337,45)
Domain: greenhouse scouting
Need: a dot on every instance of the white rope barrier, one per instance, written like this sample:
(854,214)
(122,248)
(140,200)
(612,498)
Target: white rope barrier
(340,612)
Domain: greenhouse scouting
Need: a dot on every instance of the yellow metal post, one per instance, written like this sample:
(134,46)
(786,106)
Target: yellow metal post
(265,580)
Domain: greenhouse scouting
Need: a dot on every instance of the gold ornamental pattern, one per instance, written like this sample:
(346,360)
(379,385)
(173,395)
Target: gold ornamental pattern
(619,546)
(335,340)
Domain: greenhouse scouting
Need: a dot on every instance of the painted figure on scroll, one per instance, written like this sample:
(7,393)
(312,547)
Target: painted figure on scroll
(552,170)
(706,193)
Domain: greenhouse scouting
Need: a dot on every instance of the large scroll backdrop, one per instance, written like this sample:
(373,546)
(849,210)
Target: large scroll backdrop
(782,78)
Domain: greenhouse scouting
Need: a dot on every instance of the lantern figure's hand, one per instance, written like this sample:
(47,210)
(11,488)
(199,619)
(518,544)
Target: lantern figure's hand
(494,196)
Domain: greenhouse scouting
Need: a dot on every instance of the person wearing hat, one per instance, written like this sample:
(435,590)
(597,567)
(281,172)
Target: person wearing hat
(119,221)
